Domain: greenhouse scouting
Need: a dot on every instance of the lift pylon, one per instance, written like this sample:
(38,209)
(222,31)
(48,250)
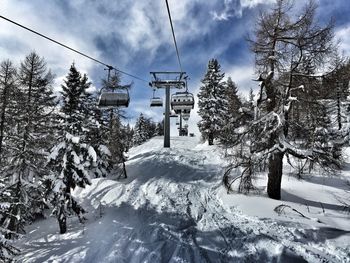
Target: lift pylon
(168,80)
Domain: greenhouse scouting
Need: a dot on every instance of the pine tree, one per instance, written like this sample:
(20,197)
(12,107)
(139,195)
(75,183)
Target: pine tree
(73,157)
(233,114)
(128,135)
(118,146)
(7,250)
(141,130)
(7,92)
(212,102)
(23,174)
(160,128)
(96,128)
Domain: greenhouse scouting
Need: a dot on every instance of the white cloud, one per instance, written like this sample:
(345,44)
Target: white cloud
(234,8)
(125,27)
(231,8)
(254,3)
(243,76)
(343,34)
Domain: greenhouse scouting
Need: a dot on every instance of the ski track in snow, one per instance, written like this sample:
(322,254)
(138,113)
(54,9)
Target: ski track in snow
(169,210)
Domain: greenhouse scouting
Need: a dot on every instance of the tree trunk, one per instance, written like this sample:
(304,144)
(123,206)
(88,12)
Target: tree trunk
(3,110)
(124,170)
(211,138)
(62,220)
(275,175)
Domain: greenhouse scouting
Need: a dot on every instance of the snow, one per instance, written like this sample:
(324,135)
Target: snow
(75,157)
(54,153)
(73,139)
(92,153)
(173,208)
(103,149)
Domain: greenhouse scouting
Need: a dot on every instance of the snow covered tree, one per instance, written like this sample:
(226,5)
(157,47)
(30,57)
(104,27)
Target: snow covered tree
(283,46)
(151,128)
(96,128)
(29,140)
(7,250)
(212,102)
(73,157)
(118,146)
(233,112)
(160,128)
(128,135)
(144,129)
(119,140)
(289,47)
(7,93)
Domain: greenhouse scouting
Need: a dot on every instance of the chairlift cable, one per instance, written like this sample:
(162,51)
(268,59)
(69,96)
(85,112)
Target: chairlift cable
(174,38)
(72,49)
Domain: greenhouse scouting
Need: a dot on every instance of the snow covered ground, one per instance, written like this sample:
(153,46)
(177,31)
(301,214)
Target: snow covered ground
(173,208)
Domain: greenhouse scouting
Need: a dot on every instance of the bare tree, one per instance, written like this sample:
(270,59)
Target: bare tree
(287,49)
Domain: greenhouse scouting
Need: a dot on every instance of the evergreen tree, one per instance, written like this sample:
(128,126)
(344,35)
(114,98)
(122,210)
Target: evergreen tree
(96,128)
(73,157)
(160,128)
(233,113)
(141,130)
(7,250)
(7,94)
(212,102)
(23,174)
(118,140)
(119,145)
(128,135)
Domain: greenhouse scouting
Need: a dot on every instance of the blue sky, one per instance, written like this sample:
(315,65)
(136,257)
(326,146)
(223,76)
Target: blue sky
(135,36)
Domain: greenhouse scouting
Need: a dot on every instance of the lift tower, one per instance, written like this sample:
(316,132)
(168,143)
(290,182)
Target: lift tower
(168,80)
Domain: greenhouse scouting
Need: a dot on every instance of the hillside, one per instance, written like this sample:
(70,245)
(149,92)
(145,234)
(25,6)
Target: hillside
(173,208)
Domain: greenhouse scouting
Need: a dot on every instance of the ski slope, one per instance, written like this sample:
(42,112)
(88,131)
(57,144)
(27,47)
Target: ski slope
(173,208)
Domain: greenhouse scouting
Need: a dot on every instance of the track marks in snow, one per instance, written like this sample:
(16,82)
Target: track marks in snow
(168,210)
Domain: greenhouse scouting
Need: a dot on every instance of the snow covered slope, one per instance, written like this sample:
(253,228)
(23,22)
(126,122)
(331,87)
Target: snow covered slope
(172,208)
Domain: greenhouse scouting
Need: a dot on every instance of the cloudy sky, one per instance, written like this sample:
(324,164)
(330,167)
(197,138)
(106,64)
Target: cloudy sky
(135,36)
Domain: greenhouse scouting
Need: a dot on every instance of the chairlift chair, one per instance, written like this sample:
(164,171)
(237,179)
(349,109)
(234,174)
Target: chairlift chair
(119,98)
(182,101)
(156,102)
(173,115)
(185,116)
(116,96)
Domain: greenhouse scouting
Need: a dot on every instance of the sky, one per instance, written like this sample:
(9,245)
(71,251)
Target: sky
(135,36)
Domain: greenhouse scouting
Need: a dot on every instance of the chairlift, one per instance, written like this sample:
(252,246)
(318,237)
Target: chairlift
(156,101)
(173,115)
(117,96)
(182,101)
(185,116)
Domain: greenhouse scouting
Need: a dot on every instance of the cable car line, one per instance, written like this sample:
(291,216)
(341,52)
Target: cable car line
(174,38)
(72,49)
